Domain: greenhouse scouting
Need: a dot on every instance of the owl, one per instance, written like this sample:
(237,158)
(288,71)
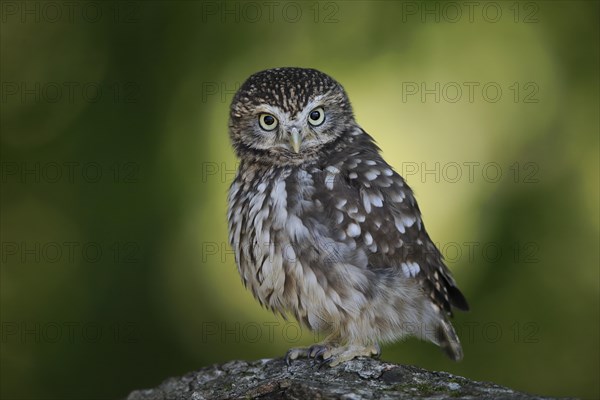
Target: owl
(324,229)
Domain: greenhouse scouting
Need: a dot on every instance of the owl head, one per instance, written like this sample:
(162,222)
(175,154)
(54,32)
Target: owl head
(288,114)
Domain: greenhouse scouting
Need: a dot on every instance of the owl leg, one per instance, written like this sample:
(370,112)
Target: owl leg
(337,355)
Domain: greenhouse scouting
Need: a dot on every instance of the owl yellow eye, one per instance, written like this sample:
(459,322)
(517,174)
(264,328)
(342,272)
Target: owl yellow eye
(316,116)
(267,122)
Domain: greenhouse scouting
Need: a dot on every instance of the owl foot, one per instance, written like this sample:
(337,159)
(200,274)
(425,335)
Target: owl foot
(331,354)
(337,355)
(315,351)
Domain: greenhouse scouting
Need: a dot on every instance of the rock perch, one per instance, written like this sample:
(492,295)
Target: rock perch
(354,380)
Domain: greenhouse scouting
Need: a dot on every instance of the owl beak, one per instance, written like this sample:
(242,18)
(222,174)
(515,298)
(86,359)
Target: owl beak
(295,139)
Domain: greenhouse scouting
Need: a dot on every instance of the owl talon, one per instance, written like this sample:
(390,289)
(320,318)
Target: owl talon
(324,362)
(375,351)
(295,353)
(316,351)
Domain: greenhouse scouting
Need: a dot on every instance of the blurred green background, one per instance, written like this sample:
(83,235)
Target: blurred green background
(116,272)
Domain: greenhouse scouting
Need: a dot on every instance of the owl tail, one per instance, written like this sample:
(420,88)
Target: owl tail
(446,338)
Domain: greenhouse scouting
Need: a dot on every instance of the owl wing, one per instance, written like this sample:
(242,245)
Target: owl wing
(370,204)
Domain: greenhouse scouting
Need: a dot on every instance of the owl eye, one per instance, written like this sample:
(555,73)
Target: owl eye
(316,116)
(267,122)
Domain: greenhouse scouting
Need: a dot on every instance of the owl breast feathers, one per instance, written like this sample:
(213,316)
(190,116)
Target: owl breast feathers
(323,228)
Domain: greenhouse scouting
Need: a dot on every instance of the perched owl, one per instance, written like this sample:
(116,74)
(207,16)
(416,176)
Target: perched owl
(324,229)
